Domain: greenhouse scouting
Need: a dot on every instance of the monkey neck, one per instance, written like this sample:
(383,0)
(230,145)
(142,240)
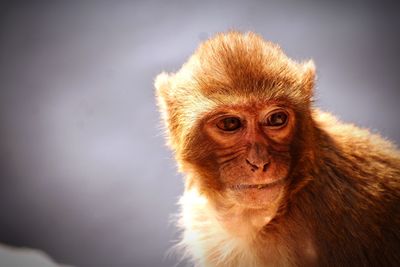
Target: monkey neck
(252,236)
(243,222)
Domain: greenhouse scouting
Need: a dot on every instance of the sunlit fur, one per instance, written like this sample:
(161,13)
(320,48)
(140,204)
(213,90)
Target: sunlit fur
(341,204)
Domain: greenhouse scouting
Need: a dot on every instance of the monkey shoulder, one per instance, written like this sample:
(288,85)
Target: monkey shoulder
(359,185)
(356,158)
(357,145)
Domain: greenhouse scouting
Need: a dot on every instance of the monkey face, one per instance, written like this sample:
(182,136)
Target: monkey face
(251,149)
(230,118)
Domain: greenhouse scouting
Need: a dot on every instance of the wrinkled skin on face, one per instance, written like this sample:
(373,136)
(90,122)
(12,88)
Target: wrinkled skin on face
(250,147)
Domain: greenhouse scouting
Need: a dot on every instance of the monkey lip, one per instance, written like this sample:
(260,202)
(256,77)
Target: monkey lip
(258,186)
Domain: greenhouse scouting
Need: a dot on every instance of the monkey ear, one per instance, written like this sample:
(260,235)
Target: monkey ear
(167,106)
(308,77)
(162,85)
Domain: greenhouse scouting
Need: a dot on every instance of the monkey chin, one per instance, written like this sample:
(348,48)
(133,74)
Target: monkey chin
(258,196)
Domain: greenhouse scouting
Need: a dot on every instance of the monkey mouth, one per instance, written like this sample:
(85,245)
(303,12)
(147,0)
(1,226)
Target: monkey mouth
(257,186)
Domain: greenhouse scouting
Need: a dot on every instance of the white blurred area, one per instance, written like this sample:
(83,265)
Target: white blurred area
(25,257)
(84,172)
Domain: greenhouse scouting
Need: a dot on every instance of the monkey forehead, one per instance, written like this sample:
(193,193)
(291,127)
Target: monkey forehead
(243,64)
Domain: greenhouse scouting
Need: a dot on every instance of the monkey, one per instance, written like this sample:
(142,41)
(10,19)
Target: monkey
(269,178)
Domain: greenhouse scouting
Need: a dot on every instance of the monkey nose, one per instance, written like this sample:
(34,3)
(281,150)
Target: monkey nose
(256,165)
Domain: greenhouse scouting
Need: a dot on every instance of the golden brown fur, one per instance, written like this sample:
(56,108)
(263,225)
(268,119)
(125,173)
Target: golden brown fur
(340,198)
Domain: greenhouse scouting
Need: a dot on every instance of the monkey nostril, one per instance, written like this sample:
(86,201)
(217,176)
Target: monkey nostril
(265,167)
(253,166)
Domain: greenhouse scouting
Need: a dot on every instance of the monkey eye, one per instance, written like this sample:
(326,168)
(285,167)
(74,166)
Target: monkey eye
(277,119)
(229,124)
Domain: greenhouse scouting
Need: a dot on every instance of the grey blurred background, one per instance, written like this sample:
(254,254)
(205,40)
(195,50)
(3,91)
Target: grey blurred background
(84,173)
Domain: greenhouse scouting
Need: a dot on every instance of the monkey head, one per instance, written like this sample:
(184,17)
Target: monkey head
(237,115)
